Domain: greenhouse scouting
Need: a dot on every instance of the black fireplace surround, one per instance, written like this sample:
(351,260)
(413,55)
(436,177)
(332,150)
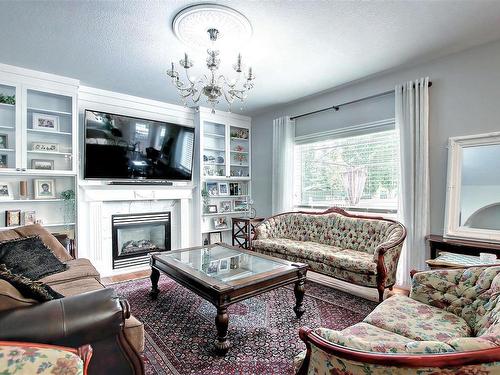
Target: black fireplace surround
(135,235)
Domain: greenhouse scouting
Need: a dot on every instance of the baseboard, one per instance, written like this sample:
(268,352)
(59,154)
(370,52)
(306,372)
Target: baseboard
(360,291)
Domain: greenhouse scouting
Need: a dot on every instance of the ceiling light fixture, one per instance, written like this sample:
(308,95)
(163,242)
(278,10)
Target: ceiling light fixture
(191,26)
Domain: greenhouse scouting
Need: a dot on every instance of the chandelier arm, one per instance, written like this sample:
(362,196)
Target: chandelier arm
(226,82)
(187,77)
(230,100)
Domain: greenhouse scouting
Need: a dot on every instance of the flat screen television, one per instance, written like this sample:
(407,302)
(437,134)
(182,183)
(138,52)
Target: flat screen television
(120,147)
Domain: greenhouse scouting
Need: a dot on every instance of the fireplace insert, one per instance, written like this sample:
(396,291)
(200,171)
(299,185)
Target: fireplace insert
(136,235)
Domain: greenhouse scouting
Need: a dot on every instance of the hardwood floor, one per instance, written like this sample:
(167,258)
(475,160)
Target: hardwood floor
(125,277)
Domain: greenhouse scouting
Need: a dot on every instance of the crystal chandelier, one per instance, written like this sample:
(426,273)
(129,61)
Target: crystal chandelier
(213,86)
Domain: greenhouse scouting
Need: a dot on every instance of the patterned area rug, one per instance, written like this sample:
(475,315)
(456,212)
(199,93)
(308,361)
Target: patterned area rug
(263,330)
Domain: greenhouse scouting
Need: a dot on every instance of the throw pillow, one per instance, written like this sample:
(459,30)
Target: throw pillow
(29,257)
(48,239)
(29,288)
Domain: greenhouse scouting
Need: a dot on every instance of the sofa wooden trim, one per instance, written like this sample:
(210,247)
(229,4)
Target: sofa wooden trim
(308,336)
(381,269)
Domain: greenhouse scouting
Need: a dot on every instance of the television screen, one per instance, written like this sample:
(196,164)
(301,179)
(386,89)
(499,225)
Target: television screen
(123,147)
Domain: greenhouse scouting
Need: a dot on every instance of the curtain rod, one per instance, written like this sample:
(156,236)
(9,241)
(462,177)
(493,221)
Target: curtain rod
(337,107)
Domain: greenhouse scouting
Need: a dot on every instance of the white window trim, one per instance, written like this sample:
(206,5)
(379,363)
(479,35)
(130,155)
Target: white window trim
(387,124)
(352,130)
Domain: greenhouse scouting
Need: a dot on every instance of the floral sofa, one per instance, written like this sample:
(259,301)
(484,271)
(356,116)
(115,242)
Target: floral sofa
(450,324)
(358,249)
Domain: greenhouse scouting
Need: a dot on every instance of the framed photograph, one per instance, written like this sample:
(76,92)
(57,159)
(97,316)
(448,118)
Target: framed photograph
(4,158)
(220,222)
(12,218)
(212,208)
(226,206)
(43,164)
(215,237)
(234,262)
(234,188)
(44,188)
(6,191)
(213,267)
(224,265)
(46,147)
(3,141)
(223,189)
(29,217)
(45,122)
(240,205)
(212,188)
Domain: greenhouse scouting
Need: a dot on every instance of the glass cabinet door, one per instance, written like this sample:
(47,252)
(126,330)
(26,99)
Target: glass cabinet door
(8,129)
(239,152)
(49,129)
(214,150)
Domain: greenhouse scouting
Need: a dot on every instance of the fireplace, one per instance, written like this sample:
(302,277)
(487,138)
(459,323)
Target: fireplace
(136,235)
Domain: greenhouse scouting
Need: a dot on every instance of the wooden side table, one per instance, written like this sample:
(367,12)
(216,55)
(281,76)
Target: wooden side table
(244,230)
(439,243)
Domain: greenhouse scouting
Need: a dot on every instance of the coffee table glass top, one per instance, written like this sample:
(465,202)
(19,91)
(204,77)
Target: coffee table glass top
(222,263)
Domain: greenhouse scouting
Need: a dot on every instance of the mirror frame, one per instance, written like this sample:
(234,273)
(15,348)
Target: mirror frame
(452,228)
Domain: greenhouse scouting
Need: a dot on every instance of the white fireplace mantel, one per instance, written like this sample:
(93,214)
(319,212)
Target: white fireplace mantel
(105,193)
(98,201)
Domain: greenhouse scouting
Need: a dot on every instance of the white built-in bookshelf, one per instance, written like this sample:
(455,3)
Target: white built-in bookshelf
(224,173)
(38,147)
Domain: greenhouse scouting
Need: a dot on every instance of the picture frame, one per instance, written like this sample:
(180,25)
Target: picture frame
(220,222)
(226,206)
(240,205)
(215,237)
(213,266)
(45,147)
(4,161)
(6,191)
(223,188)
(212,208)
(12,218)
(224,265)
(44,122)
(29,217)
(4,140)
(44,188)
(212,188)
(234,188)
(42,164)
(234,262)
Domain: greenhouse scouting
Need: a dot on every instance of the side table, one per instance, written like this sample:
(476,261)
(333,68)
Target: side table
(438,243)
(243,231)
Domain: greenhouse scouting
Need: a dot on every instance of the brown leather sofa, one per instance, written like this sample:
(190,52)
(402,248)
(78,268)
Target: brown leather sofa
(89,313)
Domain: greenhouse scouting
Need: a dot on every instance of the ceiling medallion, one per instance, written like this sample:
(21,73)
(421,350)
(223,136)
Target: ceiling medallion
(202,26)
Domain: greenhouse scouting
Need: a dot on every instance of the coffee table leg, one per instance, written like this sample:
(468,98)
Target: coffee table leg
(155,276)
(222,323)
(299,297)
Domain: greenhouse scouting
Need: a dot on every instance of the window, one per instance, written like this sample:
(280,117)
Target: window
(354,171)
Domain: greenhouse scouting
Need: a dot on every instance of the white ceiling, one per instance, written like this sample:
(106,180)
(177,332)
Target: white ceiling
(299,47)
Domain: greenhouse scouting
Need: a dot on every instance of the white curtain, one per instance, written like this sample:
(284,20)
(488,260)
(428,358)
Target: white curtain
(283,140)
(354,179)
(412,120)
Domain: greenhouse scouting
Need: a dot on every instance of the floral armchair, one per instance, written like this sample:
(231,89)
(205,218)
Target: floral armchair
(363,250)
(30,358)
(450,324)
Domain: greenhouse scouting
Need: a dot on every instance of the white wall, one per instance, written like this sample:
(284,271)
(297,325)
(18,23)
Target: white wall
(464,100)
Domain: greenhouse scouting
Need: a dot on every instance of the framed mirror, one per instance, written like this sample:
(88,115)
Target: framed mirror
(473,188)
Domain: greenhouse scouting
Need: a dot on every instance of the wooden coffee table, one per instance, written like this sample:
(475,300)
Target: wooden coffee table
(223,275)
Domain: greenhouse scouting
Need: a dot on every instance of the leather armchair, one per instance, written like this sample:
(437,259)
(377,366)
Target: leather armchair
(96,318)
